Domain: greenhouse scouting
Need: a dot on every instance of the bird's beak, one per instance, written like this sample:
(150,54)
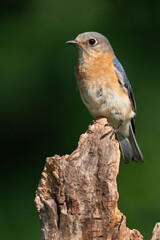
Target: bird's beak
(76,43)
(72,42)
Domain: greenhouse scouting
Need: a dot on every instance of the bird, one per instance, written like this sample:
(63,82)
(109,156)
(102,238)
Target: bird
(106,90)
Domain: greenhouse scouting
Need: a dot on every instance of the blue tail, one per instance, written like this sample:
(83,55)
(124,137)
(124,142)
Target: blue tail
(129,147)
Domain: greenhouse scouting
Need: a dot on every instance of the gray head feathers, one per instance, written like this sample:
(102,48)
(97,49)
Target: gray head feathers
(94,41)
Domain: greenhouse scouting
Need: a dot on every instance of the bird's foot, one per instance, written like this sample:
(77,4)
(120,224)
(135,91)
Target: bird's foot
(112,131)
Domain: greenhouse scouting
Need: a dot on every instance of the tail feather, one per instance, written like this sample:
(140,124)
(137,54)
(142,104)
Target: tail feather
(129,147)
(126,148)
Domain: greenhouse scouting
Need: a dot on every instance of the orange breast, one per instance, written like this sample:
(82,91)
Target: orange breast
(99,70)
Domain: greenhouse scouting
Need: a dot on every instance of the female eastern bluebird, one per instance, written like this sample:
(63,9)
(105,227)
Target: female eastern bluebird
(106,91)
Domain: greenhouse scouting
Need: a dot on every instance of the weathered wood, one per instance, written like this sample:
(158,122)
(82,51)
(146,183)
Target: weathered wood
(156,232)
(77,195)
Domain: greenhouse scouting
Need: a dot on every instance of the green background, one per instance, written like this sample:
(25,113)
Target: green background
(41,112)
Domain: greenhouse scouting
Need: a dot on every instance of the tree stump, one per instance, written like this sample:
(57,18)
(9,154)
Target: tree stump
(77,195)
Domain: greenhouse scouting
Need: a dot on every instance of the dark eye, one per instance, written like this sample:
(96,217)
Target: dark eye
(92,41)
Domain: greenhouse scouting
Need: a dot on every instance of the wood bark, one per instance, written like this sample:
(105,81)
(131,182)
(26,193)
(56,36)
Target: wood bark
(77,195)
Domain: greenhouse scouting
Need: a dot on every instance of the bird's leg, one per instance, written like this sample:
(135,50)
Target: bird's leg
(112,131)
(115,130)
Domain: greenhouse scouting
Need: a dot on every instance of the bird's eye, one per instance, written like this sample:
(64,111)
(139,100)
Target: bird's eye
(92,41)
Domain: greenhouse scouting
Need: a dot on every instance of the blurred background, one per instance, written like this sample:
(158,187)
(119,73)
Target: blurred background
(41,112)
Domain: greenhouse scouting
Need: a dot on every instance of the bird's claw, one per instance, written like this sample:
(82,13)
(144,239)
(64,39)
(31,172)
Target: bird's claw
(112,131)
(106,134)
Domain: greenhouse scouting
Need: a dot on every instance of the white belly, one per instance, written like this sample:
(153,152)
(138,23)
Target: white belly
(105,103)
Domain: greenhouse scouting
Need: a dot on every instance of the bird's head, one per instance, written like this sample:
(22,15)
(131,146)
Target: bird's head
(92,43)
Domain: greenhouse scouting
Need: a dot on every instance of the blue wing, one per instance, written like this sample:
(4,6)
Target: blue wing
(122,77)
(123,80)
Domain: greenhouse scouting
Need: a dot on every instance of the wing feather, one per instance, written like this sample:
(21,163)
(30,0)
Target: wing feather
(122,77)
